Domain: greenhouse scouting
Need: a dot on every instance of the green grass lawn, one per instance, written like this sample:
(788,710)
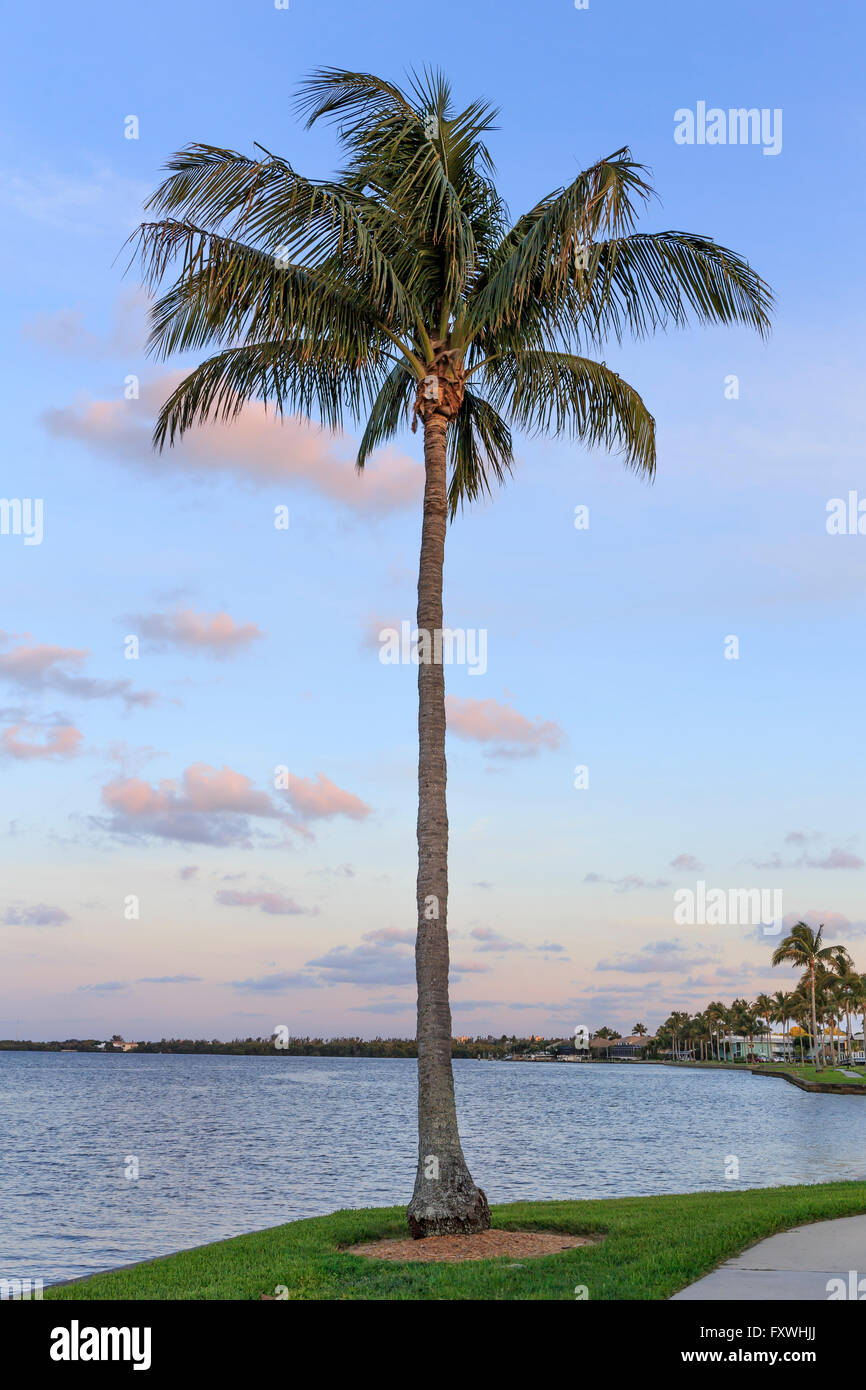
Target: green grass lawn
(830,1075)
(650,1248)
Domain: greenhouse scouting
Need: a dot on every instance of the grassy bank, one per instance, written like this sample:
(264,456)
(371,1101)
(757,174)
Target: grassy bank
(650,1248)
(827,1080)
(831,1076)
(810,1073)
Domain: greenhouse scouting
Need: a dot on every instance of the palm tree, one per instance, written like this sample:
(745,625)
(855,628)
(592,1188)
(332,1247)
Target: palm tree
(677,1025)
(764,1008)
(827,1001)
(861,1008)
(664,1039)
(847,991)
(781,1013)
(400,291)
(742,1021)
(717,1014)
(702,1032)
(800,1005)
(804,948)
(754,1024)
(639,1030)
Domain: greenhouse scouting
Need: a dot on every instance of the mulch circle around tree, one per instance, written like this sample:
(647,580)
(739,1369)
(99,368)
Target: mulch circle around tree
(486,1245)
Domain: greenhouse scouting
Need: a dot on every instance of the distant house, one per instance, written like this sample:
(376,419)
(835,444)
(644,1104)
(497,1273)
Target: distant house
(621,1049)
(574,1049)
(735,1047)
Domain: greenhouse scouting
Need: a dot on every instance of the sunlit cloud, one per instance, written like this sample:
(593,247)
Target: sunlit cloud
(43,667)
(273,904)
(21,742)
(489,721)
(256,447)
(214,633)
(322,798)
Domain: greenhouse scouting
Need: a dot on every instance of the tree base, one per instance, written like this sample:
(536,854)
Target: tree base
(462,1212)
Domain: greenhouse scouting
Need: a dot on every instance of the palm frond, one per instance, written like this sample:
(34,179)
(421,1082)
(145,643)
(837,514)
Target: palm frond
(228,292)
(480,450)
(272,207)
(389,411)
(361,96)
(558,393)
(219,388)
(536,260)
(646,280)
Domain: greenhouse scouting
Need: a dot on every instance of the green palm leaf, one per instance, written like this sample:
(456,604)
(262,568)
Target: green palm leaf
(557,393)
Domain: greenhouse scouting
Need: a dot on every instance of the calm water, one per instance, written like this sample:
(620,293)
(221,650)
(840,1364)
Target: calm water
(230,1144)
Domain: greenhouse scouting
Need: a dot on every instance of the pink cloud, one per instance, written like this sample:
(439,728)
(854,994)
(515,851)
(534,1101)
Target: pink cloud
(26,665)
(205,788)
(210,806)
(493,941)
(686,862)
(322,798)
(215,806)
(256,446)
(391,936)
(47,667)
(837,859)
(275,904)
(60,742)
(372,628)
(488,721)
(217,633)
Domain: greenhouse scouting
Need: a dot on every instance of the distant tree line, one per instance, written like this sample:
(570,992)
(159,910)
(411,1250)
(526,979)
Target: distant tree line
(488,1047)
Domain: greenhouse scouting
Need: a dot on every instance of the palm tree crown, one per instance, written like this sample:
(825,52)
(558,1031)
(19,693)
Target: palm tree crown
(328,296)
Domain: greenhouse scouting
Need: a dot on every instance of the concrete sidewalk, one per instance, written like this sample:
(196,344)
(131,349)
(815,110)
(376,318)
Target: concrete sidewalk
(797,1264)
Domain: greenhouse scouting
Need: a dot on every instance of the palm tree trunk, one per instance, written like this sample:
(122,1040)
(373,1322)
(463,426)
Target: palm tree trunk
(445,1200)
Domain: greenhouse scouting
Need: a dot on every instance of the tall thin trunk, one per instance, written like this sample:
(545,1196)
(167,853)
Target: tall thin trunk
(445,1199)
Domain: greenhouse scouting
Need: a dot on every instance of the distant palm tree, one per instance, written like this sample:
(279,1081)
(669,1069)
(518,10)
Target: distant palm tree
(861,1004)
(805,949)
(847,991)
(800,1004)
(764,1009)
(664,1039)
(743,1021)
(400,291)
(677,1025)
(717,1014)
(781,1013)
(702,1033)
(639,1030)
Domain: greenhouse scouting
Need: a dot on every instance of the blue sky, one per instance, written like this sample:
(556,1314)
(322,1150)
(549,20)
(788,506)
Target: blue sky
(255,647)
